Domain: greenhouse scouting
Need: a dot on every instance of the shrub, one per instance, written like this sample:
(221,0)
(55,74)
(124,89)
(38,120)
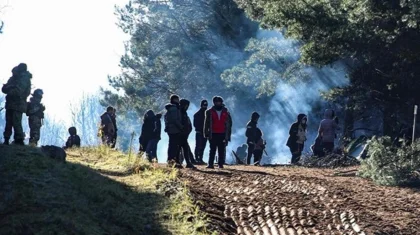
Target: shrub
(391,165)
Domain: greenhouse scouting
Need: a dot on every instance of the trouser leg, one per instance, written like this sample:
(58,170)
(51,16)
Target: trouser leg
(213,148)
(251,148)
(221,147)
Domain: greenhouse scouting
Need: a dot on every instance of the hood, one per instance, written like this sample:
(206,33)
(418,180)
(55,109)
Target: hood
(328,114)
(300,117)
(221,108)
(72,130)
(149,115)
(255,116)
(35,99)
(169,105)
(184,103)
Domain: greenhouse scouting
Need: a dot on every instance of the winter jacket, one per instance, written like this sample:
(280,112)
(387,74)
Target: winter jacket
(107,124)
(17,90)
(73,141)
(186,123)
(259,141)
(114,122)
(294,130)
(148,128)
(209,123)
(251,132)
(158,127)
(173,119)
(35,108)
(199,117)
(328,127)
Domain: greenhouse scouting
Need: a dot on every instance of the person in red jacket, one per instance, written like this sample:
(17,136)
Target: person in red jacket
(218,129)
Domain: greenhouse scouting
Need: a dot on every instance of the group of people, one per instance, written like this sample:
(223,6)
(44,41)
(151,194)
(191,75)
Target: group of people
(17,90)
(324,142)
(212,124)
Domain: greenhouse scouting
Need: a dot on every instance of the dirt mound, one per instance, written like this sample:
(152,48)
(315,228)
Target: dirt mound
(249,200)
(329,161)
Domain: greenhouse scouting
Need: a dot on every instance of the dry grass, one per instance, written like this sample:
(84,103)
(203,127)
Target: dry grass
(98,191)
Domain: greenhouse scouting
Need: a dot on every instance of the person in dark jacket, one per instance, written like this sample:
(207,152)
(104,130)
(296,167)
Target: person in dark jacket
(114,121)
(251,135)
(73,140)
(17,90)
(150,135)
(297,137)
(183,137)
(174,128)
(107,131)
(200,141)
(259,147)
(157,132)
(218,129)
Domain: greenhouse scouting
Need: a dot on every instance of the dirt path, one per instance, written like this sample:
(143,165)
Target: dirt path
(285,200)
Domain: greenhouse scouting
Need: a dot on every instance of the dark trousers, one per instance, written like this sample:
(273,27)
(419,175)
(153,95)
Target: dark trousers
(186,150)
(13,122)
(151,149)
(200,145)
(296,151)
(328,147)
(114,140)
(107,139)
(173,147)
(217,142)
(258,155)
(251,148)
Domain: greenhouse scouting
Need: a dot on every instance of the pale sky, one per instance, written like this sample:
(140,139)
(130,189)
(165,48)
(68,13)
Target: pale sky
(69,46)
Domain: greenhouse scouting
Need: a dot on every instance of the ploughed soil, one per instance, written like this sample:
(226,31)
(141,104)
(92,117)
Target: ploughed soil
(296,200)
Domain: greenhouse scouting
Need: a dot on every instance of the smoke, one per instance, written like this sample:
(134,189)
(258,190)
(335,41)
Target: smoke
(277,112)
(290,99)
(85,116)
(266,78)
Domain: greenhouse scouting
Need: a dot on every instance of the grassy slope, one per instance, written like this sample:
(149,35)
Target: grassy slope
(95,192)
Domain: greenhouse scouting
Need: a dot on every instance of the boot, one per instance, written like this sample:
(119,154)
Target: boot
(33,143)
(190,166)
(6,141)
(19,142)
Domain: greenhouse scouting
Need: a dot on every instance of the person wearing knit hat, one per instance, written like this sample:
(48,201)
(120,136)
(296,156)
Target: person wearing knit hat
(251,135)
(218,129)
(200,140)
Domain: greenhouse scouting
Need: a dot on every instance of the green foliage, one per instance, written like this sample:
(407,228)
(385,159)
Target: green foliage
(376,39)
(268,64)
(390,165)
(176,47)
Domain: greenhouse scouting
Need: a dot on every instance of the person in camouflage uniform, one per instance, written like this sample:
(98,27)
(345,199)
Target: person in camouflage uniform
(17,90)
(35,112)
